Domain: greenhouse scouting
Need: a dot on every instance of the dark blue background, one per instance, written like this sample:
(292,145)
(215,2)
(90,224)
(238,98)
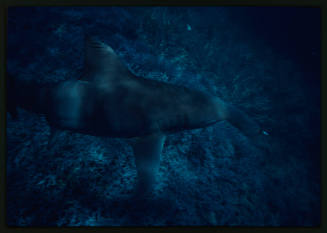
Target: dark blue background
(265,61)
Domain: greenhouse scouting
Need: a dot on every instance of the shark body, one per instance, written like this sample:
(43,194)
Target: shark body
(109,100)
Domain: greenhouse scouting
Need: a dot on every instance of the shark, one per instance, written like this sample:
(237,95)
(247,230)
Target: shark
(109,100)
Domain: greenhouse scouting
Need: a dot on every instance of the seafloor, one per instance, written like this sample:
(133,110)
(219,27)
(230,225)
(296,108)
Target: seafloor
(264,61)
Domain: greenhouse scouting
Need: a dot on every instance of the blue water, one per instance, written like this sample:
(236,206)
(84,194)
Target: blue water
(266,61)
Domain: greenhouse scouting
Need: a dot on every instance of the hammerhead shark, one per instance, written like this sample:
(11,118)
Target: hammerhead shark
(108,100)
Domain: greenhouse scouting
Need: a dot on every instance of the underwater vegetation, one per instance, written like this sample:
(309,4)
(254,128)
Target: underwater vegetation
(209,176)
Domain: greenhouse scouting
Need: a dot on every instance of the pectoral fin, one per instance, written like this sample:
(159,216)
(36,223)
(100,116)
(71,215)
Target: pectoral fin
(147,152)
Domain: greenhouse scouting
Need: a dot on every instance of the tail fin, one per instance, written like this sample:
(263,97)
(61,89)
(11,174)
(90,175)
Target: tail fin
(242,121)
(11,100)
(248,126)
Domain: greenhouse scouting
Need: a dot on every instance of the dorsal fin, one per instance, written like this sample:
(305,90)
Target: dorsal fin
(101,63)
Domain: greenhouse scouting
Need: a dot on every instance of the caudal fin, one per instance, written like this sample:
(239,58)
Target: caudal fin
(242,121)
(247,126)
